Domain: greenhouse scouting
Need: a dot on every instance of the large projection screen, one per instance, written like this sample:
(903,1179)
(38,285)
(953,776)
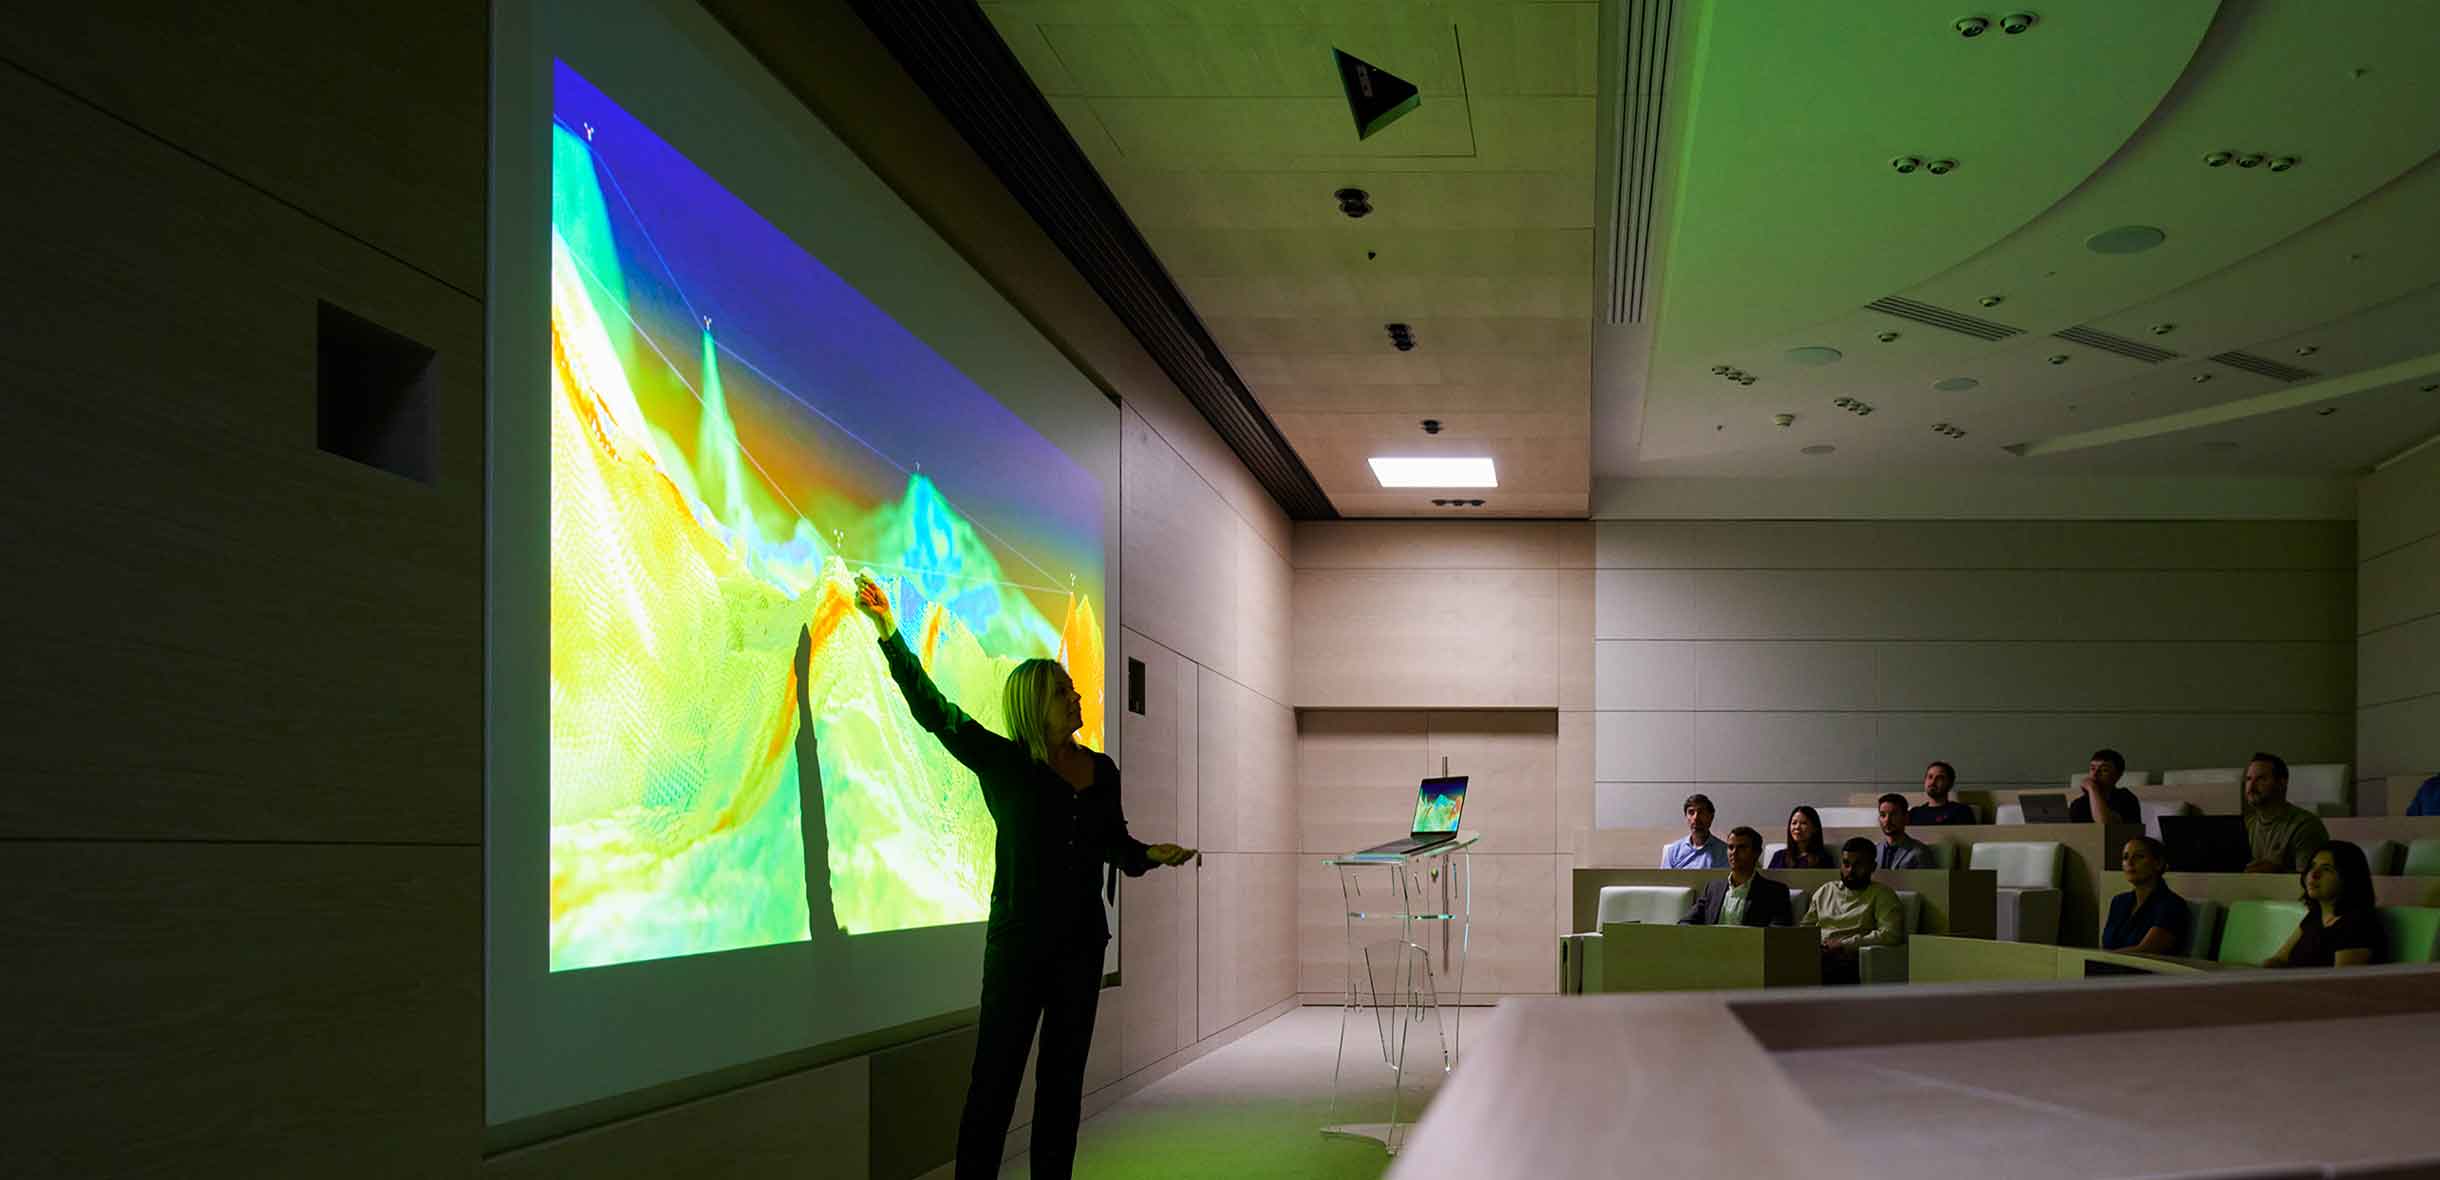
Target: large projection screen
(729,369)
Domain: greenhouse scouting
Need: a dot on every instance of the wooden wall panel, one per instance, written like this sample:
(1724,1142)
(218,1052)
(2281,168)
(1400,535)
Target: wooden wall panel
(242,1009)
(1408,639)
(1178,554)
(1770,663)
(1247,932)
(813,1124)
(231,634)
(370,118)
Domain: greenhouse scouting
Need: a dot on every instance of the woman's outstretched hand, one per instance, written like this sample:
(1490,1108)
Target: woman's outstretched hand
(1169,854)
(875,603)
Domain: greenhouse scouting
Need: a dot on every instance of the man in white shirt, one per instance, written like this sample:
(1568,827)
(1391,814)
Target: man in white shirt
(1700,849)
(1853,912)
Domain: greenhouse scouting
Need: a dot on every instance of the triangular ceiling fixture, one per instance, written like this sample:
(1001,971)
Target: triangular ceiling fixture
(1375,96)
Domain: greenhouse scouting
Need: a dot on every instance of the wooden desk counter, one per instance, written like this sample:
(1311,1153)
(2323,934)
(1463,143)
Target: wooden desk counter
(2227,887)
(2092,862)
(2090,1078)
(1955,901)
(1940,959)
(2209,798)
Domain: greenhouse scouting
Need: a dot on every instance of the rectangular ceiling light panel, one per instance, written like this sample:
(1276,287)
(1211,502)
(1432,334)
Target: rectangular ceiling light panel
(1435,472)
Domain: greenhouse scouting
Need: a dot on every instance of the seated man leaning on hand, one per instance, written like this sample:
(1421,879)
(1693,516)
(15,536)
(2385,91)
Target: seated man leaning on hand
(1745,898)
(1853,912)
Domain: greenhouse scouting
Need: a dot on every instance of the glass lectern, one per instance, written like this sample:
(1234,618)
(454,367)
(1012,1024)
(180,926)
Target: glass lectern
(1406,940)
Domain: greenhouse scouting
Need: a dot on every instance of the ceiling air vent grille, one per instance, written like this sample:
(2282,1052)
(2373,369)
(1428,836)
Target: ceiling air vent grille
(2263,365)
(1645,28)
(1943,319)
(2132,349)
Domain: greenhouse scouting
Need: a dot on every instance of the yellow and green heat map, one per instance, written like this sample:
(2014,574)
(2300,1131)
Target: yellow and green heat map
(731,432)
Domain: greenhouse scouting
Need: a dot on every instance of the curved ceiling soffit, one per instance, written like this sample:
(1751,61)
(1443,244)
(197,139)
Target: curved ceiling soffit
(1788,212)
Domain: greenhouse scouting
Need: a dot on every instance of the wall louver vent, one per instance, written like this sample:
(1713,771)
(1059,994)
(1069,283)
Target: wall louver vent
(2131,349)
(1943,319)
(1645,27)
(2263,365)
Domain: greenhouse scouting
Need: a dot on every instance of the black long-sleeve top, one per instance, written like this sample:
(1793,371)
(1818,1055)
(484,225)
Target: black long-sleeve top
(1053,839)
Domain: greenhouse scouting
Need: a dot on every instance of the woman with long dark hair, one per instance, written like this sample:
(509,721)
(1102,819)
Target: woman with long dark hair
(2340,927)
(1055,804)
(1804,850)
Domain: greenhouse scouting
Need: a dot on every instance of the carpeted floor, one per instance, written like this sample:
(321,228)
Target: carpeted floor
(1253,1109)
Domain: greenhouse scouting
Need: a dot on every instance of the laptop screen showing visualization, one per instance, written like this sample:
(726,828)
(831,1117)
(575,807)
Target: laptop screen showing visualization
(1437,804)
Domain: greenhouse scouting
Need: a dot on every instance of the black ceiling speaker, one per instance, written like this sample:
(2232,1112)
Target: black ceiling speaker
(1375,96)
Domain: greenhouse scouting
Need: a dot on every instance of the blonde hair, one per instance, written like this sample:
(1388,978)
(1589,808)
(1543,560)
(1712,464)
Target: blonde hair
(1025,701)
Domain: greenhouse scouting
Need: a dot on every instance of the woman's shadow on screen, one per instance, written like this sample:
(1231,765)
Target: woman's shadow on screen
(821,917)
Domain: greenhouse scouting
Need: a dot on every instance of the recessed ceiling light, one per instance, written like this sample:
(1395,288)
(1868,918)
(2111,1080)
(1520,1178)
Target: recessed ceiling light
(2125,239)
(2307,349)
(1434,472)
(2326,411)
(2058,358)
(1814,355)
(1955,384)
(1819,449)
(2200,378)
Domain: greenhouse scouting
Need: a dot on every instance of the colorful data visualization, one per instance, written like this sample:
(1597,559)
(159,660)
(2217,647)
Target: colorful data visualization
(735,433)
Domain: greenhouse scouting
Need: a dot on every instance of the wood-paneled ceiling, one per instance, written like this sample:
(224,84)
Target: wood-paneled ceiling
(1778,219)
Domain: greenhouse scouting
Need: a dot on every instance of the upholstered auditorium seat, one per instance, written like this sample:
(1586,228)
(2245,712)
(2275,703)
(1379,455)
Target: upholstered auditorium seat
(2153,811)
(2383,856)
(1887,964)
(2323,788)
(1643,903)
(2422,858)
(2209,774)
(2255,929)
(2203,929)
(2414,933)
(2029,893)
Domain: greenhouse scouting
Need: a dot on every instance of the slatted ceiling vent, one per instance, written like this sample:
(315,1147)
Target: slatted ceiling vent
(2263,365)
(1645,27)
(2107,342)
(1943,319)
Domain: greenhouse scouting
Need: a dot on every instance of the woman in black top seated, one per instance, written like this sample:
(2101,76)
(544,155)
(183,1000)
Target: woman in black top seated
(2149,919)
(2340,927)
(1055,805)
(1804,850)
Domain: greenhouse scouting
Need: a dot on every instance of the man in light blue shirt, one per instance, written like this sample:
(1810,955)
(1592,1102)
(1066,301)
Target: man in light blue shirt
(1700,849)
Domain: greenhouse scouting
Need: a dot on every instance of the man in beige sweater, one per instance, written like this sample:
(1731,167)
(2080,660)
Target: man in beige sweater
(1853,912)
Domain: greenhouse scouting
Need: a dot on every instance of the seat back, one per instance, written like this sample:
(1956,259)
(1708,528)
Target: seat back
(2414,932)
(2203,930)
(2008,813)
(2022,864)
(1658,904)
(2255,929)
(2216,774)
(1771,850)
(2382,856)
(1850,817)
(2422,858)
(1911,905)
(2132,778)
(2153,811)
(2323,788)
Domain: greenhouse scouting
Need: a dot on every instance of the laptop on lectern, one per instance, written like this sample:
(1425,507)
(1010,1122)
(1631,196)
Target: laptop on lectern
(1438,802)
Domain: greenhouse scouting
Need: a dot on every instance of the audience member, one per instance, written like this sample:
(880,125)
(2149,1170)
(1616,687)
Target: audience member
(1700,849)
(2427,798)
(2340,927)
(1744,897)
(2283,836)
(2150,919)
(1853,912)
(1804,850)
(1899,850)
(2100,789)
(1939,779)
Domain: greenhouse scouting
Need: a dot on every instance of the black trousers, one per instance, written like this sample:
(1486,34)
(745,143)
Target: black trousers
(1059,991)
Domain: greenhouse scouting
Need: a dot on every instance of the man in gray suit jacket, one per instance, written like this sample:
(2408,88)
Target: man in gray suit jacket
(1745,898)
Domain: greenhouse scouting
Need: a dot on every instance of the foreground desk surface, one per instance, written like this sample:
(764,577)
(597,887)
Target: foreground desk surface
(2095,1078)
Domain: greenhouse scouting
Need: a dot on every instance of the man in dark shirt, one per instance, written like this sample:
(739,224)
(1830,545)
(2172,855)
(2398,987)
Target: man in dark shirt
(1939,779)
(2101,785)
